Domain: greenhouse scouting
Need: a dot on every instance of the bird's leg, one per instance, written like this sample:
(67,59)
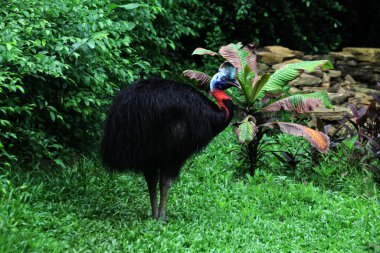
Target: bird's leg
(165,184)
(151,181)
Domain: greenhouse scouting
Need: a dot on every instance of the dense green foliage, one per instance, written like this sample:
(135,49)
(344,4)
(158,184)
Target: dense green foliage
(84,209)
(62,61)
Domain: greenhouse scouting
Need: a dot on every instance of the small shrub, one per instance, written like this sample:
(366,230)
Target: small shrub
(264,96)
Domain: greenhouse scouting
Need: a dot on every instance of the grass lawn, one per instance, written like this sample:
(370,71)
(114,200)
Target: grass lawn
(212,208)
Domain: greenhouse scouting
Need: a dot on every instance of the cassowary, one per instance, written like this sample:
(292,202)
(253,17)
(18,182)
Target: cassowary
(154,125)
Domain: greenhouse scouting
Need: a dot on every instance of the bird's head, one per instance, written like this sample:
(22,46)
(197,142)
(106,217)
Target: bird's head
(225,78)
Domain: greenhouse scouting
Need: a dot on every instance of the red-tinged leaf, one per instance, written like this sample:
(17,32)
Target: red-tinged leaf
(269,95)
(360,115)
(202,79)
(306,105)
(300,103)
(234,55)
(239,57)
(354,111)
(203,51)
(317,139)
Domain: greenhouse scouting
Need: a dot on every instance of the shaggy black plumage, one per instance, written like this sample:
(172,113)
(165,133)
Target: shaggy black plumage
(154,125)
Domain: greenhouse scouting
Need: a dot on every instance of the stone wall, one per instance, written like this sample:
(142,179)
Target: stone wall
(356,75)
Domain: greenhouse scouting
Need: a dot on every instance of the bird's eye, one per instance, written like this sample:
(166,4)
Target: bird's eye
(224,78)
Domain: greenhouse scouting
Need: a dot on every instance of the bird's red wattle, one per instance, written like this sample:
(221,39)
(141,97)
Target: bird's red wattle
(220,95)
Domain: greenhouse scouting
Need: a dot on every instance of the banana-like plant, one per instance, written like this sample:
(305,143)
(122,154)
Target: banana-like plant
(267,94)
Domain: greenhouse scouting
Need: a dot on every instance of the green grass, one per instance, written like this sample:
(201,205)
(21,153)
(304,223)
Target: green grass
(212,208)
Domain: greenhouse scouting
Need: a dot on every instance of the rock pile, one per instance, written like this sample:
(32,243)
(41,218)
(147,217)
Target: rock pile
(357,70)
(361,63)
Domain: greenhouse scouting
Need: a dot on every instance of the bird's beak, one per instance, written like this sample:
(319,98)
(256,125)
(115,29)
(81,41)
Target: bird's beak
(235,84)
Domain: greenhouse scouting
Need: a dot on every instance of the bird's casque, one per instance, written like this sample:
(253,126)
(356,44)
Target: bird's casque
(225,78)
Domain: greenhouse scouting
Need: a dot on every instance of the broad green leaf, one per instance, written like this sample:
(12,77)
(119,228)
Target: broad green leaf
(20,88)
(246,130)
(40,56)
(9,46)
(127,40)
(4,122)
(99,35)
(60,163)
(91,44)
(245,78)
(290,72)
(130,26)
(203,51)
(172,45)
(52,116)
(129,6)
(112,6)
(259,85)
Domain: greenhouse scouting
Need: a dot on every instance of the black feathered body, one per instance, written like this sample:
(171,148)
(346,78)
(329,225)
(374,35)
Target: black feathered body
(158,124)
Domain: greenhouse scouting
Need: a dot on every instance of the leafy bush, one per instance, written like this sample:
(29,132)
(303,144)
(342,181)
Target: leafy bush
(61,62)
